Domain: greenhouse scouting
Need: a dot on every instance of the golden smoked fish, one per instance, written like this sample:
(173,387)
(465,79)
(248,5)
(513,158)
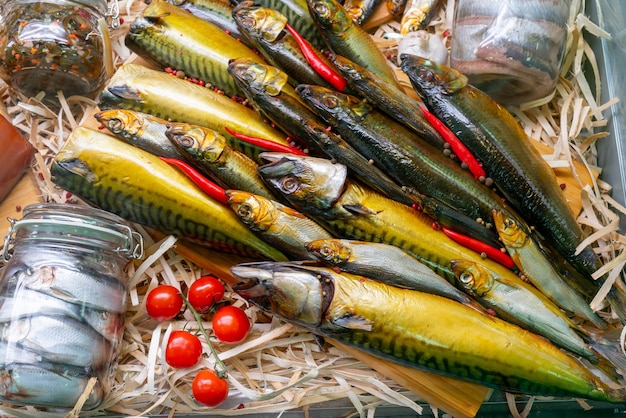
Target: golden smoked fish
(139,88)
(141,188)
(419,330)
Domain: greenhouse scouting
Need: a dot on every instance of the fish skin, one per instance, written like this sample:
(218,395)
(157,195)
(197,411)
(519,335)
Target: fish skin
(209,151)
(265,87)
(418,330)
(497,139)
(336,148)
(47,386)
(217,12)
(405,158)
(265,28)
(141,130)
(540,272)
(360,10)
(352,211)
(417,14)
(59,339)
(298,16)
(388,98)
(280,225)
(499,294)
(175,38)
(385,263)
(346,38)
(322,190)
(150,192)
(139,88)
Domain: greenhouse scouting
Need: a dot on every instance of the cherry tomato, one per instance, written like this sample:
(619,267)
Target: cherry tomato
(208,388)
(183,349)
(164,302)
(204,292)
(230,324)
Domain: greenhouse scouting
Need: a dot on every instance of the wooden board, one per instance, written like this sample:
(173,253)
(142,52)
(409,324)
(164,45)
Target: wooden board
(23,194)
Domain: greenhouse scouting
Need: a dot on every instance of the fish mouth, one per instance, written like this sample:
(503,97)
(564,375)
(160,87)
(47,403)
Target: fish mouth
(303,90)
(277,164)
(254,285)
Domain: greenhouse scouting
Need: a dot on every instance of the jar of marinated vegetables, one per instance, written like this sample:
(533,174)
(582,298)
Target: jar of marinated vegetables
(51,46)
(62,304)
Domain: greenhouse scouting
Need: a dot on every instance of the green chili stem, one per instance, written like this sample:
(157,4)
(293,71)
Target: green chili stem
(223,369)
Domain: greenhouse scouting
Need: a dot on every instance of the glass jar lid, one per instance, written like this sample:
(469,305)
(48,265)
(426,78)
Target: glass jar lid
(75,224)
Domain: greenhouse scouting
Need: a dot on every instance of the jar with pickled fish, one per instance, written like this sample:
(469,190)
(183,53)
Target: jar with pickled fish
(513,50)
(55,46)
(62,304)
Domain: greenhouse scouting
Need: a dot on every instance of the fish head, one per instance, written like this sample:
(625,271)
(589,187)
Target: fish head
(475,279)
(330,15)
(293,293)
(331,104)
(259,22)
(303,180)
(257,212)
(351,70)
(509,231)
(334,251)
(121,122)
(255,76)
(197,141)
(429,77)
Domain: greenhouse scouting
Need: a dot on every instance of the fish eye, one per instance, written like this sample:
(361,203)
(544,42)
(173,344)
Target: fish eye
(185,141)
(321,9)
(245,211)
(290,184)
(427,76)
(249,75)
(466,279)
(330,101)
(325,251)
(116,125)
(248,22)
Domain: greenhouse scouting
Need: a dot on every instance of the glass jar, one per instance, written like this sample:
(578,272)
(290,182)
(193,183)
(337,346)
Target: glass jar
(62,304)
(53,46)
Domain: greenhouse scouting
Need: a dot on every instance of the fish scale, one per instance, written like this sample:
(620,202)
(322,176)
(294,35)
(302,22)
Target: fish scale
(173,37)
(150,192)
(139,88)
(517,168)
(419,330)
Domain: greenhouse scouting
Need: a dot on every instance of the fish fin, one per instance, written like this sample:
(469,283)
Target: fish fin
(359,209)
(321,342)
(78,167)
(352,321)
(125,92)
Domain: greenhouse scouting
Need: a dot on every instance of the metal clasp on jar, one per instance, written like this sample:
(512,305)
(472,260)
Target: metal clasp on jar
(8,240)
(113,15)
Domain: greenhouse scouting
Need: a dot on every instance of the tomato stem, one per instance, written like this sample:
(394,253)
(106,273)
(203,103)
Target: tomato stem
(319,66)
(458,147)
(211,189)
(219,364)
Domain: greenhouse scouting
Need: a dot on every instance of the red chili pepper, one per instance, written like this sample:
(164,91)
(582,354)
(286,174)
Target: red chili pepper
(480,247)
(457,146)
(265,143)
(327,73)
(211,189)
